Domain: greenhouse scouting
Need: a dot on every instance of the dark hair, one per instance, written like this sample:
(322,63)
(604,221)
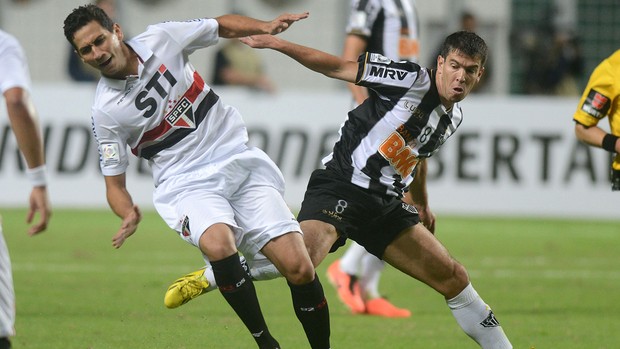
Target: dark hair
(466,42)
(83,15)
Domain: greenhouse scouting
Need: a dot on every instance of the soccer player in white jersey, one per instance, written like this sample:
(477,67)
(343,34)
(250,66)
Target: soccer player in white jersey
(217,193)
(410,112)
(15,87)
(388,27)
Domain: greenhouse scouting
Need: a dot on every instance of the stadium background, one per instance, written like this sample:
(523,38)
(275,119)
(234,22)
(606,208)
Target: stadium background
(515,153)
(551,281)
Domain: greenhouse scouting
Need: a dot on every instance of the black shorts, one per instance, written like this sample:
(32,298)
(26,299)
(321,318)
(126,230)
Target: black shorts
(370,219)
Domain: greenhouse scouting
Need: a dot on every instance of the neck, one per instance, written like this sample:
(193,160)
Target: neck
(132,61)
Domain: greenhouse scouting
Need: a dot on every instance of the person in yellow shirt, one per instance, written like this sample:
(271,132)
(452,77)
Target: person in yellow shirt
(600,99)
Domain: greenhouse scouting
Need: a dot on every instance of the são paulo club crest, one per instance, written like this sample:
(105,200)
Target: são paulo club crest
(182,115)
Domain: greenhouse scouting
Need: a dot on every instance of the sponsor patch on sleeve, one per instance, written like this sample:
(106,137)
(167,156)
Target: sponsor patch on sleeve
(110,153)
(377,58)
(596,104)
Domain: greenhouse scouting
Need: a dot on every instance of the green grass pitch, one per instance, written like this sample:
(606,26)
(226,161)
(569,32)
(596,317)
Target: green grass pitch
(551,283)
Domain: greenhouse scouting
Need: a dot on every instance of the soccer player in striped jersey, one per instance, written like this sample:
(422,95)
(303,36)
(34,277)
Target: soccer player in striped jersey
(219,194)
(388,27)
(410,112)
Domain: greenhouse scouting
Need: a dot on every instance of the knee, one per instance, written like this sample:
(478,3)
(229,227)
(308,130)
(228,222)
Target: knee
(300,274)
(217,242)
(457,282)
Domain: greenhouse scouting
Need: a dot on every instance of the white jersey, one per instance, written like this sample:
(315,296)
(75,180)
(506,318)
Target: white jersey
(13,64)
(13,73)
(389,26)
(166,114)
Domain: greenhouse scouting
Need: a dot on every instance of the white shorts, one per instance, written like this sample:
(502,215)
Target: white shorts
(244,191)
(7,294)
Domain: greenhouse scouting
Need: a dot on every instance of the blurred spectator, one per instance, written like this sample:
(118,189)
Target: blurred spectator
(554,63)
(469,22)
(238,65)
(78,70)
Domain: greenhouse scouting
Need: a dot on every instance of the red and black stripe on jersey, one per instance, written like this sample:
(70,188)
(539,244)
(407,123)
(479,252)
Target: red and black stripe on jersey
(163,136)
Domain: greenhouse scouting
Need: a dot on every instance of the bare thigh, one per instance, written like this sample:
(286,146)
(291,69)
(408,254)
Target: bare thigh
(318,238)
(217,242)
(419,254)
(288,253)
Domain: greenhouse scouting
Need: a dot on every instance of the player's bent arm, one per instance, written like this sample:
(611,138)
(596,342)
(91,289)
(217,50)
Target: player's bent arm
(119,199)
(236,26)
(418,196)
(354,45)
(121,203)
(592,135)
(313,59)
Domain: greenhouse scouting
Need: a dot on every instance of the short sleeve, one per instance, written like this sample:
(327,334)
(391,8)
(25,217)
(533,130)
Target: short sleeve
(193,34)
(111,144)
(13,65)
(598,97)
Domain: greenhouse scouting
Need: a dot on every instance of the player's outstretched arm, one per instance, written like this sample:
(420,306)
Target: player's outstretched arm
(121,203)
(236,26)
(313,59)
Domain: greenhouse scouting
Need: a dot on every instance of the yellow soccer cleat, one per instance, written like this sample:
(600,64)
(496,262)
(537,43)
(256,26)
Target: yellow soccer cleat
(186,288)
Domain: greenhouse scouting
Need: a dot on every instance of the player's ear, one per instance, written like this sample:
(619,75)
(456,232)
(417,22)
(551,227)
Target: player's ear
(480,72)
(116,30)
(440,60)
(79,55)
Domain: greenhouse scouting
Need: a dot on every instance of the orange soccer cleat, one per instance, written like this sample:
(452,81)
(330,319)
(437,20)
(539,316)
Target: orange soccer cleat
(348,288)
(382,307)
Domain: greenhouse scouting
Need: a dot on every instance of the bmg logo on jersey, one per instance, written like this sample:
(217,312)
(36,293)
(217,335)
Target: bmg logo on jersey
(149,104)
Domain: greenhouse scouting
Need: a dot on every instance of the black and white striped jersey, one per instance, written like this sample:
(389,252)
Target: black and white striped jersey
(400,123)
(389,26)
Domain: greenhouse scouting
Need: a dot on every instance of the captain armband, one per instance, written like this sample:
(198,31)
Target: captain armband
(37,176)
(609,143)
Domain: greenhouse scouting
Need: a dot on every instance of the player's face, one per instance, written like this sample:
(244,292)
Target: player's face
(102,49)
(456,76)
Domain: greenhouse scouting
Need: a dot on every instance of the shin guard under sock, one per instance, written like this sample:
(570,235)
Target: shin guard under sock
(312,311)
(238,290)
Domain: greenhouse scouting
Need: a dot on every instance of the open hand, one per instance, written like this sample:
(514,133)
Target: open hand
(128,227)
(284,21)
(39,203)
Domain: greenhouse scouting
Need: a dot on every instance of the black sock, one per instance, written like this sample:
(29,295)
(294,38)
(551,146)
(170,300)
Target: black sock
(238,290)
(5,343)
(312,311)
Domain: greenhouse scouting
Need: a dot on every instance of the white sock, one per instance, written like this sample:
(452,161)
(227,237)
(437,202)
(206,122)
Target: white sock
(265,272)
(208,273)
(351,259)
(477,320)
(370,274)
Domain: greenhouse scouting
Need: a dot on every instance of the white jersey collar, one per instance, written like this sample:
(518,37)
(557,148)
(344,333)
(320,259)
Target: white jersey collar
(144,53)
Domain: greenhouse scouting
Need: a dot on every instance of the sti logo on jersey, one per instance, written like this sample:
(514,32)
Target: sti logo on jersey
(182,115)
(149,104)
